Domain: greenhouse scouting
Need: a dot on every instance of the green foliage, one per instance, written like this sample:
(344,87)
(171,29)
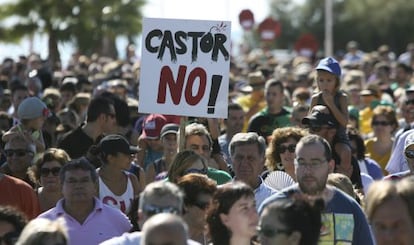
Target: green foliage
(85,22)
(370,22)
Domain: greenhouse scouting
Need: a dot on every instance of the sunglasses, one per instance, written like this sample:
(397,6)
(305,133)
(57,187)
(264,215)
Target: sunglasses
(16,152)
(44,172)
(9,238)
(195,171)
(380,123)
(269,232)
(201,205)
(409,154)
(282,149)
(409,102)
(151,210)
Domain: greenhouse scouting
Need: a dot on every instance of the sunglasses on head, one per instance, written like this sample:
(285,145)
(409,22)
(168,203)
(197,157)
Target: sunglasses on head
(9,238)
(380,123)
(282,149)
(151,210)
(16,152)
(195,171)
(46,171)
(409,154)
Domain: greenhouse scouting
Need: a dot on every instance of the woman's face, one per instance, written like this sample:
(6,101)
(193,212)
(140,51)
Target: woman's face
(271,230)
(287,153)
(122,160)
(242,218)
(392,224)
(381,125)
(49,175)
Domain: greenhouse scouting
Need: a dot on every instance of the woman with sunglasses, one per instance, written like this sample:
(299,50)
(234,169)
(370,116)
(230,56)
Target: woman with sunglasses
(293,221)
(186,162)
(198,191)
(384,124)
(45,173)
(280,153)
(232,216)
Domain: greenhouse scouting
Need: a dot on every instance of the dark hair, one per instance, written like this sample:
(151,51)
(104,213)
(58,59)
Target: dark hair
(316,139)
(98,105)
(223,199)
(17,86)
(78,163)
(354,135)
(70,87)
(273,82)
(121,108)
(296,213)
(196,184)
(13,216)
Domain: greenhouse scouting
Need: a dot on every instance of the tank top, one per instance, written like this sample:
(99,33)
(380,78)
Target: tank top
(122,202)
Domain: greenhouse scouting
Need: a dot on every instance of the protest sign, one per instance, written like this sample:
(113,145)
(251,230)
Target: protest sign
(185,67)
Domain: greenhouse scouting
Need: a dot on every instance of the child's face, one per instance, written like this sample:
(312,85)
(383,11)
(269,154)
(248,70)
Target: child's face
(326,81)
(37,123)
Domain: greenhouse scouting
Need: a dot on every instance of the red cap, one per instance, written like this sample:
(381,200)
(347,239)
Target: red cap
(152,126)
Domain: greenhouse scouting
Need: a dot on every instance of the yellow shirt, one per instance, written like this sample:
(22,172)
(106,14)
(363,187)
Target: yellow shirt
(251,104)
(381,159)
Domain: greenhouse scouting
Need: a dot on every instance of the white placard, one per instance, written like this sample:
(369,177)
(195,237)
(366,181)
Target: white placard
(185,67)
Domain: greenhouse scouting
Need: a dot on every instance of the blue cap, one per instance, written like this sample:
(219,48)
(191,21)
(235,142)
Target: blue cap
(331,65)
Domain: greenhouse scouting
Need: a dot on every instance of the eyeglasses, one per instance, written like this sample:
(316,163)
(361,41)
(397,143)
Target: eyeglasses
(201,204)
(409,154)
(269,232)
(16,152)
(44,172)
(151,210)
(409,102)
(313,165)
(110,114)
(282,149)
(83,181)
(380,123)
(195,171)
(9,238)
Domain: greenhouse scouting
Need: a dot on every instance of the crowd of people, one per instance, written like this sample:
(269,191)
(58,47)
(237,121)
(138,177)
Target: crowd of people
(315,150)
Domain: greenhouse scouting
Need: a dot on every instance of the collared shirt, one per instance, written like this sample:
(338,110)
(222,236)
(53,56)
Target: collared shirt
(397,162)
(262,192)
(134,238)
(103,223)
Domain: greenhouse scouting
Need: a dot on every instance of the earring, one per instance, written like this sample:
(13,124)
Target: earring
(280,166)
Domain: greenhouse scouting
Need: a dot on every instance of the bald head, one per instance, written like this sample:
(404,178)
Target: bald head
(165,228)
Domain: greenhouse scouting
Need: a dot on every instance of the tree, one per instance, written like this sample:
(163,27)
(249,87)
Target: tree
(370,22)
(92,25)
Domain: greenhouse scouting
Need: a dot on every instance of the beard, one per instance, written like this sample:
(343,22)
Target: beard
(312,185)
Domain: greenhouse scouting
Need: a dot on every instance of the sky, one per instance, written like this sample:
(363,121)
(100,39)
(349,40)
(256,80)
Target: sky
(227,10)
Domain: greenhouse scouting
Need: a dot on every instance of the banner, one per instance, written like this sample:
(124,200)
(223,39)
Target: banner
(185,67)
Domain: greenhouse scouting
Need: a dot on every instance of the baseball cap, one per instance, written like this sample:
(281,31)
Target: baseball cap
(32,107)
(329,64)
(114,143)
(152,126)
(169,128)
(319,118)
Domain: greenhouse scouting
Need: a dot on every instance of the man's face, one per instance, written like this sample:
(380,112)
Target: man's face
(248,163)
(408,153)
(311,168)
(235,121)
(109,124)
(274,96)
(156,204)
(78,186)
(19,158)
(199,144)
(407,107)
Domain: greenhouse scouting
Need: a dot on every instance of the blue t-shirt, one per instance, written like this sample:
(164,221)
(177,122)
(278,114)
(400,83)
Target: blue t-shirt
(343,221)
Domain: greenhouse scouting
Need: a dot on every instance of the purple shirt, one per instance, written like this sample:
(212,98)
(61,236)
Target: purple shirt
(103,223)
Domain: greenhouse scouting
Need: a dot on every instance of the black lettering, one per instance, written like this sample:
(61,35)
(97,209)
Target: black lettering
(181,47)
(151,34)
(194,50)
(219,40)
(206,43)
(167,42)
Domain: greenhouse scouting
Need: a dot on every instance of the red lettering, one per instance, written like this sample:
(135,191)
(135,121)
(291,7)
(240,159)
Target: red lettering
(175,86)
(199,73)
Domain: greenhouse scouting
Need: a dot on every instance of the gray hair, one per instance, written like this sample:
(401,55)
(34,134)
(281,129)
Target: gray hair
(249,138)
(161,188)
